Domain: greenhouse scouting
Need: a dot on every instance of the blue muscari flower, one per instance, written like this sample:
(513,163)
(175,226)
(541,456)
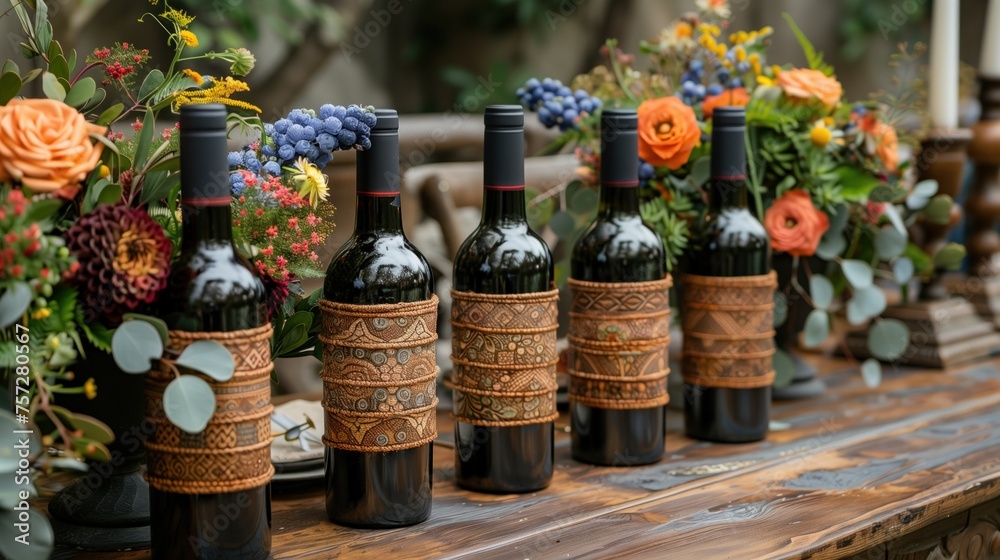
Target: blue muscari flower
(286,152)
(339,112)
(351,123)
(267,150)
(326,111)
(312,153)
(323,160)
(281,125)
(369,119)
(327,142)
(333,125)
(302,147)
(317,124)
(272,168)
(346,138)
(296,133)
(365,143)
(355,111)
(236,184)
(235,159)
(298,116)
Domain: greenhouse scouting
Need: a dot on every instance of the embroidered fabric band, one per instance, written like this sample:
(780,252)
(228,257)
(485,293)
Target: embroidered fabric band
(618,338)
(728,327)
(379,375)
(504,353)
(233,452)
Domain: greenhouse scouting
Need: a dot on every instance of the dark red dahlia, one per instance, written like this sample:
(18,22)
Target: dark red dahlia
(277,293)
(124,260)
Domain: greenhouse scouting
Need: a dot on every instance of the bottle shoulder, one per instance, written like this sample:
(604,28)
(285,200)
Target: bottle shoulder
(736,227)
(503,246)
(386,268)
(213,287)
(618,250)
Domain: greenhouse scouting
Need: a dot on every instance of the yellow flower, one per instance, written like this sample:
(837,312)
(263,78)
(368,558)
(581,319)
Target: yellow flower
(820,136)
(190,39)
(41,314)
(219,92)
(90,388)
(198,79)
(682,29)
(180,17)
(741,54)
(104,172)
(763,80)
(775,70)
(311,181)
(766,30)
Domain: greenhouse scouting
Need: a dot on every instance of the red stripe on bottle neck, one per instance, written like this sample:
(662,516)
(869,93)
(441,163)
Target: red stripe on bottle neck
(209,201)
(729,177)
(504,187)
(378,193)
(621,183)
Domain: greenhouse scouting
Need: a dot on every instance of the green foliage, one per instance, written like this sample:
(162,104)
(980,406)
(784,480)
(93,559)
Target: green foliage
(815,58)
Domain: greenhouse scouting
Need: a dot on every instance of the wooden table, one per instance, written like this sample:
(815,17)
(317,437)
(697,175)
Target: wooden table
(910,470)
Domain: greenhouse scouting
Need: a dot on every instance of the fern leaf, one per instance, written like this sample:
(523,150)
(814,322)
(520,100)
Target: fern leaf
(815,58)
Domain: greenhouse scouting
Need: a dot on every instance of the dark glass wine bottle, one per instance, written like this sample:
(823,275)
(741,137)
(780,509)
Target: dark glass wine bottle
(211,288)
(503,256)
(618,247)
(379,265)
(736,244)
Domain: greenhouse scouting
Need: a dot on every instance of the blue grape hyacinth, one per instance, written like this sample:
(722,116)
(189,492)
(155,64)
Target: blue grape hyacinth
(317,134)
(556,104)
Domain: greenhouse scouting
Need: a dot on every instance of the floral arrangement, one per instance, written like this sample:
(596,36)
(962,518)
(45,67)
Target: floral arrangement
(824,173)
(89,196)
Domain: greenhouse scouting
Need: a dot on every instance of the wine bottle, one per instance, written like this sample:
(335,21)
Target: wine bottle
(503,256)
(211,288)
(618,247)
(735,244)
(378,265)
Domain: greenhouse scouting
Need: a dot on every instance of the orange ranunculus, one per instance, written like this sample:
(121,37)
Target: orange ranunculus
(887,146)
(795,225)
(45,144)
(803,84)
(668,131)
(735,97)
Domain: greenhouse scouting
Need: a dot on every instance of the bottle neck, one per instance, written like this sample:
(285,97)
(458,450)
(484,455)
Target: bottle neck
(618,201)
(378,215)
(206,224)
(503,206)
(727,194)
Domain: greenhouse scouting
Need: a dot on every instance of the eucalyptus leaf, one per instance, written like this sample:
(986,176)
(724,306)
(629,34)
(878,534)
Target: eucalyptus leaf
(52,88)
(889,243)
(780,308)
(903,270)
(189,403)
(110,114)
(938,210)
(13,303)
(135,345)
(866,303)
(59,66)
(888,339)
(152,81)
(94,101)
(871,373)
(10,86)
(8,439)
(81,92)
(159,324)
(784,368)
(858,273)
(892,213)
(831,245)
(10,492)
(563,224)
(821,291)
(91,427)
(838,220)
(817,328)
(208,357)
(949,257)
(926,188)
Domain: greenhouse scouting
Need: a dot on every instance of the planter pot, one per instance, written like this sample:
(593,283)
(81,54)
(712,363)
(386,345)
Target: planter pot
(108,508)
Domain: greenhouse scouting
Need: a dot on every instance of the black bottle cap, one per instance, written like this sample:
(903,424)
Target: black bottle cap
(729,156)
(378,166)
(619,148)
(503,146)
(203,156)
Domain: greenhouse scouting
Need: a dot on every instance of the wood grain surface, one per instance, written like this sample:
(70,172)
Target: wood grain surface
(857,472)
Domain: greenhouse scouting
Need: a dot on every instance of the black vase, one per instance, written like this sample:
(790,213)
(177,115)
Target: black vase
(804,383)
(108,508)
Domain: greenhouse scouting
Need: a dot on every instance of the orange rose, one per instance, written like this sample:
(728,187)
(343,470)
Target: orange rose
(45,144)
(795,225)
(668,131)
(804,84)
(736,97)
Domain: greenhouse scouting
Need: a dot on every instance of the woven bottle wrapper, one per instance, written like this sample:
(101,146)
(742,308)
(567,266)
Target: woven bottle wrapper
(233,452)
(728,330)
(379,375)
